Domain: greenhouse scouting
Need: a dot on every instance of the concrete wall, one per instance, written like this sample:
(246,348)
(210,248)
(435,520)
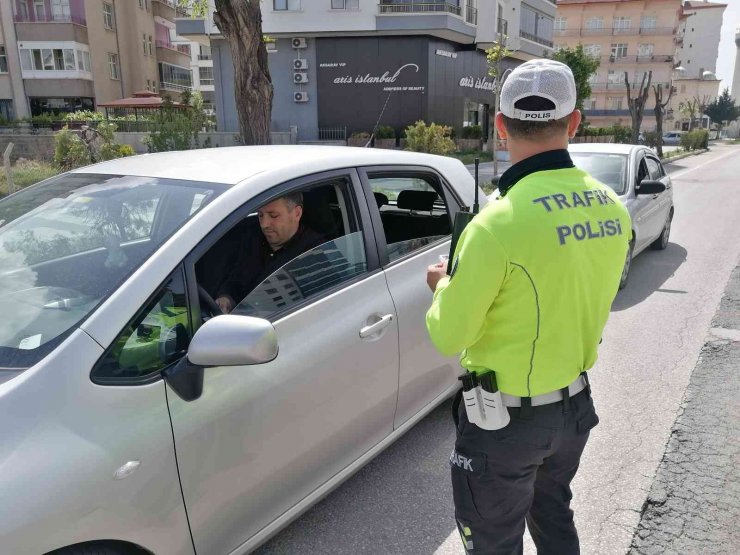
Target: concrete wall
(218,139)
(35,147)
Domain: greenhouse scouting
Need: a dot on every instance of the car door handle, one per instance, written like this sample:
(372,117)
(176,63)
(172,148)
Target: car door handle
(372,329)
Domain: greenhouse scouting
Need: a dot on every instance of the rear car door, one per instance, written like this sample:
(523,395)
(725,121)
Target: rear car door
(262,438)
(412,216)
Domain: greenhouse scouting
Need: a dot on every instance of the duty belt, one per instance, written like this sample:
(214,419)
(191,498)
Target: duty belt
(574,388)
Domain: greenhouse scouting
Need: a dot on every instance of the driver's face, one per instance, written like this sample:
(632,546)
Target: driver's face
(279,222)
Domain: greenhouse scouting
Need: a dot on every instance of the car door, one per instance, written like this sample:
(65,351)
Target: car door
(645,209)
(412,219)
(664,200)
(262,438)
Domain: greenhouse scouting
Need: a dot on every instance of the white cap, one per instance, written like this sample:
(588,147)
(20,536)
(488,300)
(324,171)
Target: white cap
(539,78)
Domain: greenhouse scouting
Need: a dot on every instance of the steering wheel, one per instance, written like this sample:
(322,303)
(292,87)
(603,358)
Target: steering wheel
(206,299)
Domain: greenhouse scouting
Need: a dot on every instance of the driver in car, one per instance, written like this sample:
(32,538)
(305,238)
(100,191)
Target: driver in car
(283,239)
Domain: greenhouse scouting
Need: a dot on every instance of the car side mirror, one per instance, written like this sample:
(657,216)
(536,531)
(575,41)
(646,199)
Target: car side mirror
(650,187)
(231,340)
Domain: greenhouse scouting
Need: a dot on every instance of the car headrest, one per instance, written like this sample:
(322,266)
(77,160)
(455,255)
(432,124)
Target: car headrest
(416,200)
(381,199)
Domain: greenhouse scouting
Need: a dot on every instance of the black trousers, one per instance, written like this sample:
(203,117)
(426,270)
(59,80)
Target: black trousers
(523,471)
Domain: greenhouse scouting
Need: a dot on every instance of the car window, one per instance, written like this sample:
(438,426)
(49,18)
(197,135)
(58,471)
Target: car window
(306,276)
(654,168)
(413,211)
(68,243)
(254,273)
(642,172)
(609,169)
(157,336)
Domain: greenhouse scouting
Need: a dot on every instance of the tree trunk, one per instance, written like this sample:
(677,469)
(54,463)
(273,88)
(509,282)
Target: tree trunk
(240,22)
(637,104)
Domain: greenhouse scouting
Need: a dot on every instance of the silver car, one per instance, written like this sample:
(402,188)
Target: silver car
(137,417)
(639,178)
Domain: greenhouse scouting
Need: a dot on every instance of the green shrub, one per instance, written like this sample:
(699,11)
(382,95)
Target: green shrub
(84,115)
(385,132)
(360,135)
(700,139)
(433,139)
(70,151)
(472,132)
(621,134)
(110,151)
(651,138)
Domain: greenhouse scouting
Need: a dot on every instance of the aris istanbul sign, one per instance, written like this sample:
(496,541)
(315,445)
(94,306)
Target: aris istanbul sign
(368,79)
(481,83)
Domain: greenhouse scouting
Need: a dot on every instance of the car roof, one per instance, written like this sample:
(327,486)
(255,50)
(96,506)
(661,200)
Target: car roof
(608,148)
(232,165)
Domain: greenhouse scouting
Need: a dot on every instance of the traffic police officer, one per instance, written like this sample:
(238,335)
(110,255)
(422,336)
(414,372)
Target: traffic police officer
(532,282)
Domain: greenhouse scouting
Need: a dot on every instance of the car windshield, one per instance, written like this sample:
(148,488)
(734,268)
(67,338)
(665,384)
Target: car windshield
(610,169)
(66,244)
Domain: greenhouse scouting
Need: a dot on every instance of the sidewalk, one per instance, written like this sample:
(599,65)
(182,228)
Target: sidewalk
(694,503)
(485,170)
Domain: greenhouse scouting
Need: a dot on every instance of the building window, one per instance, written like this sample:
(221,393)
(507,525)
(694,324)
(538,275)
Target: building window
(615,102)
(3,60)
(174,77)
(648,22)
(589,104)
(594,23)
(113,65)
(622,23)
(645,51)
(107,15)
(45,59)
(141,4)
(6,110)
(619,50)
(536,26)
(39,10)
(60,10)
(345,4)
(615,78)
(593,50)
(286,5)
(143,42)
(151,48)
(206,76)
(561,24)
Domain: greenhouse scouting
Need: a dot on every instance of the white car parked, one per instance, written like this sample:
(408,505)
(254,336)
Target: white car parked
(639,178)
(139,419)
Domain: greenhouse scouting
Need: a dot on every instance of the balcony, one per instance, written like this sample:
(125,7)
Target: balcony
(389,7)
(445,20)
(605,31)
(534,38)
(204,57)
(169,52)
(648,59)
(169,9)
(609,112)
(49,18)
(176,87)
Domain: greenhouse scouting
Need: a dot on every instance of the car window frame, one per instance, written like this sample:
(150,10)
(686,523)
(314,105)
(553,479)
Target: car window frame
(452,200)
(661,170)
(262,198)
(157,375)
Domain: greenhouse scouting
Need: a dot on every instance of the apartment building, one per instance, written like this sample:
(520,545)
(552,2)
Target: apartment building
(201,64)
(343,66)
(696,60)
(628,36)
(66,55)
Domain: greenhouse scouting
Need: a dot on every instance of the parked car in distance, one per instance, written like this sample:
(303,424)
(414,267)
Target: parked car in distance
(639,178)
(137,418)
(672,138)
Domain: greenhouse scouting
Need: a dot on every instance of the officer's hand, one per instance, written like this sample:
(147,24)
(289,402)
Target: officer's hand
(435,273)
(225,303)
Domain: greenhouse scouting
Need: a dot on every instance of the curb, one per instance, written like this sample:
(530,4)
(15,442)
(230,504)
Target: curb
(685,155)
